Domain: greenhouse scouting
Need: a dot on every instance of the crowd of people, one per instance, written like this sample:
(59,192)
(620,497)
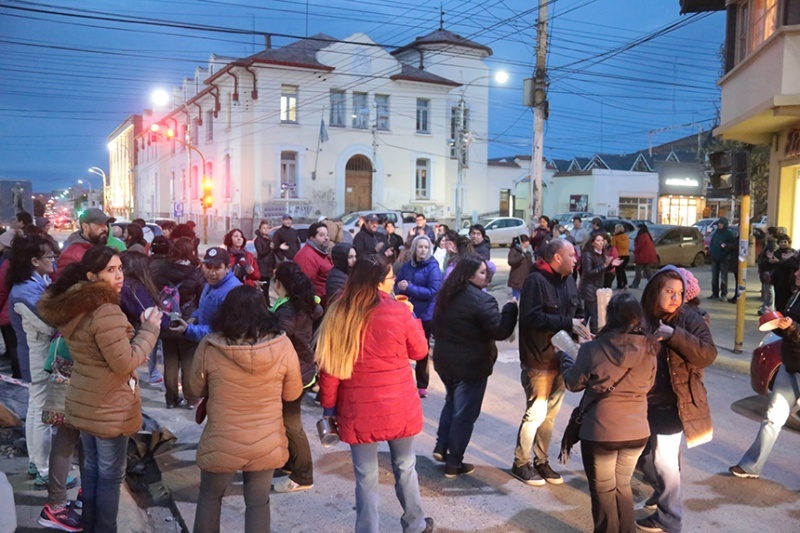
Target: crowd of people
(248,332)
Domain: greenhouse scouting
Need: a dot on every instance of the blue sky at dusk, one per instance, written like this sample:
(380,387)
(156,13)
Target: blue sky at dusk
(621,71)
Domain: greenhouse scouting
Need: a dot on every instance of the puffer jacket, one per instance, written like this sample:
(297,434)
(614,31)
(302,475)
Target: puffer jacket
(521,262)
(337,276)
(245,385)
(686,354)
(299,328)
(621,414)
(466,332)
(103,396)
(33,335)
(593,273)
(547,305)
(424,281)
(380,401)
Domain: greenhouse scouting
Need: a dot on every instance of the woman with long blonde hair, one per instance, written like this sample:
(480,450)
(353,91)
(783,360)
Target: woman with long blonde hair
(364,346)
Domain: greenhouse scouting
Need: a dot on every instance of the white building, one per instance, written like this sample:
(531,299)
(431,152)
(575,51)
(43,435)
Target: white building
(321,127)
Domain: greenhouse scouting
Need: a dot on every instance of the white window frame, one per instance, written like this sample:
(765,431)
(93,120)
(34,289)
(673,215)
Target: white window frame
(422,193)
(338,112)
(360,110)
(287,165)
(424,115)
(289,99)
(382,109)
(756,21)
(454,110)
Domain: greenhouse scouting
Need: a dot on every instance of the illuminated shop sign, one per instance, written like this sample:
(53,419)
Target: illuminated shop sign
(680,179)
(681,182)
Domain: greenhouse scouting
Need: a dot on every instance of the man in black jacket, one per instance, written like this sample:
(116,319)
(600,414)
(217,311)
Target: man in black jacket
(369,241)
(547,305)
(286,240)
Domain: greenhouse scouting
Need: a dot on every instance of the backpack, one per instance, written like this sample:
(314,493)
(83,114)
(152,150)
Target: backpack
(170,300)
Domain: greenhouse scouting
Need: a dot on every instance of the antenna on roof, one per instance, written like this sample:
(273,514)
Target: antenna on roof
(441,16)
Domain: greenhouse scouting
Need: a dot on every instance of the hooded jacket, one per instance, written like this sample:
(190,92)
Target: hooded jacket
(33,335)
(680,367)
(210,301)
(246,386)
(103,395)
(424,280)
(337,276)
(547,305)
(315,264)
(72,252)
(721,237)
(644,250)
(521,262)
(621,414)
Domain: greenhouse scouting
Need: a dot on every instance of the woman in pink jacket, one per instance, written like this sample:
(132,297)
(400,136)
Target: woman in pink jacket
(365,345)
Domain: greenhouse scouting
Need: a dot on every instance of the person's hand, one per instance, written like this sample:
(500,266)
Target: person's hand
(784,323)
(154,317)
(379,246)
(389,252)
(616,262)
(284,246)
(609,259)
(580,329)
(249,269)
(402,285)
(664,332)
(181,327)
(409,305)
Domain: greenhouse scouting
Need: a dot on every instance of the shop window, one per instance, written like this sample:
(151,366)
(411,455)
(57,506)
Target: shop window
(636,208)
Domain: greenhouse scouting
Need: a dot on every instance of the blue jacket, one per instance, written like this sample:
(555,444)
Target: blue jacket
(28,294)
(210,300)
(424,281)
(718,238)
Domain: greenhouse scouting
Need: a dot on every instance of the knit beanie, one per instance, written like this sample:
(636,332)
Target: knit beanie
(692,287)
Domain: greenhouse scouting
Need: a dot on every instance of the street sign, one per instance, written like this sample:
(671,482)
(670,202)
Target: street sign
(177,209)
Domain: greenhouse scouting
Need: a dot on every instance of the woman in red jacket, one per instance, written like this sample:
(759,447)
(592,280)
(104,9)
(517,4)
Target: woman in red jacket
(644,255)
(243,263)
(366,340)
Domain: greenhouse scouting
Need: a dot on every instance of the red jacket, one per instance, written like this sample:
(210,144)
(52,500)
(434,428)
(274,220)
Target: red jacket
(250,259)
(316,266)
(644,251)
(380,401)
(71,254)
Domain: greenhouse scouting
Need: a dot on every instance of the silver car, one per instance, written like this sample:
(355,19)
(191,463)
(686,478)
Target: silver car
(501,230)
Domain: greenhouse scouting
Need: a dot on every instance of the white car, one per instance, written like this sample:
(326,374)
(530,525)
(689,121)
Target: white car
(501,230)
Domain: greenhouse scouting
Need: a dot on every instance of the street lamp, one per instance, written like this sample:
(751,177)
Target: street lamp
(463,138)
(99,171)
(89,183)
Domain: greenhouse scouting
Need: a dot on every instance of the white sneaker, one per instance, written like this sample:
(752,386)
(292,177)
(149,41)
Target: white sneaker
(287,485)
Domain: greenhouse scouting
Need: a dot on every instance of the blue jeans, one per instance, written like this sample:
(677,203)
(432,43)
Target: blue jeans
(784,398)
(104,462)
(406,485)
(663,466)
(462,406)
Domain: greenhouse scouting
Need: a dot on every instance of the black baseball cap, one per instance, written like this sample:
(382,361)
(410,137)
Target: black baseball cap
(217,256)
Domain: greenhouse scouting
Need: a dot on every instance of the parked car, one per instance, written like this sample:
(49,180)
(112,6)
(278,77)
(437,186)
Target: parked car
(643,221)
(707,236)
(501,230)
(706,225)
(764,366)
(566,218)
(403,220)
(760,224)
(676,245)
(608,224)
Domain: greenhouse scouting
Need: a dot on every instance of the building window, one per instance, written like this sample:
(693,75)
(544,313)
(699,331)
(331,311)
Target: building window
(423,112)
(226,178)
(228,110)
(288,186)
(360,111)
(338,110)
(636,208)
(382,112)
(193,137)
(172,187)
(422,182)
(756,21)
(455,111)
(289,104)
(209,125)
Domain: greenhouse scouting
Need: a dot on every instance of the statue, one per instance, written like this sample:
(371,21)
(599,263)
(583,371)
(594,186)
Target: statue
(17,195)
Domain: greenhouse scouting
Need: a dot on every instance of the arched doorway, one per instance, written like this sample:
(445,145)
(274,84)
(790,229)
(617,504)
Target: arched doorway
(358,184)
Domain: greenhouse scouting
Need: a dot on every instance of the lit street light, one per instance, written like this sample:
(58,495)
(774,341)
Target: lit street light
(106,189)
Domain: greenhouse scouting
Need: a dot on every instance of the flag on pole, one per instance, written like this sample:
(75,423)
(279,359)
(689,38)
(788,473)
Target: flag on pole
(323,131)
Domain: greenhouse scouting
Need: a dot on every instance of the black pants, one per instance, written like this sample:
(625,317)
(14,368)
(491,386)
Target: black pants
(10,340)
(256,500)
(265,287)
(622,276)
(178,356)
(299,463)
(421,370)
(719,277)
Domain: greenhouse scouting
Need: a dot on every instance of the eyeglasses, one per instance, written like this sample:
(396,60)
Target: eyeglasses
(51,256)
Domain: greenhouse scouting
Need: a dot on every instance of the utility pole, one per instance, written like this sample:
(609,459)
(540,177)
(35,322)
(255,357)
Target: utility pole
(461,152)
(535,95)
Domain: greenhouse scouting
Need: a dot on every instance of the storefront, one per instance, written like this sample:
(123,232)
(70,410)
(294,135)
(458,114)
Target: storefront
(681,193)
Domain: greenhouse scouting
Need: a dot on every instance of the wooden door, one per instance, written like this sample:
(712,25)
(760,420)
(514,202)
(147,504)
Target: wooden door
(358,184)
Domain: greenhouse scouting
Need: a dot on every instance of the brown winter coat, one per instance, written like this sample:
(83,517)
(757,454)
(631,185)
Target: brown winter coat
(103,394)
(521,263)
(245,386)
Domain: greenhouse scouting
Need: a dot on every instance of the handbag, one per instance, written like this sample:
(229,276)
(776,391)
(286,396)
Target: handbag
(572,433)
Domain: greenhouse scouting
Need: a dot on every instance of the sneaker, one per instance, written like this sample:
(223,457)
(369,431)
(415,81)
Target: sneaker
(649,524)
(156,378)
(32,470)
(527,475)
(287,485)
(651,503)
(548,474)
(738,471)
(428,525)
(423,393)
(41,482)
(439,455)
(455,471)
(60,517)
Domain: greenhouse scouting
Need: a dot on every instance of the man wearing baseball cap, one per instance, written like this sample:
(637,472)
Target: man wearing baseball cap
(369,241)
(93,231)
(286,240)
(219,282)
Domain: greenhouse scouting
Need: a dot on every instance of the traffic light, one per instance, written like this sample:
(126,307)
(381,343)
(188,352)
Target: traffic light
(208,199)
(158,131)
(729,171)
